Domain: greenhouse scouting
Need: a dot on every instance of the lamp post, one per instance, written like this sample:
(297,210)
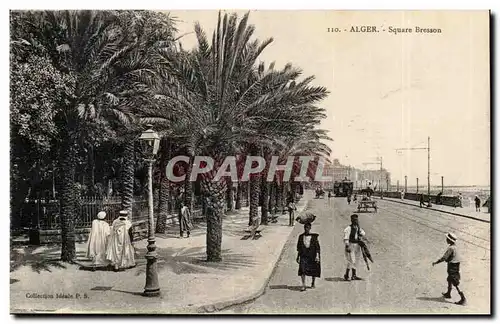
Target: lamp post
(152,288)
(428,149)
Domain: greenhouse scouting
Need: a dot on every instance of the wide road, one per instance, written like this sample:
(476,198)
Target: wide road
(404,241)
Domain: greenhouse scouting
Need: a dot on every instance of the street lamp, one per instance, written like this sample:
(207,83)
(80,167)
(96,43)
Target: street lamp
(152,288)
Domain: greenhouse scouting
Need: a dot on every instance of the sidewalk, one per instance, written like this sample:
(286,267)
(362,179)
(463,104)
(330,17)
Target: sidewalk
(188,283)
(468,212)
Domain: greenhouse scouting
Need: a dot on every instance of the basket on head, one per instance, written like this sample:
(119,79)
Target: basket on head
(306,218)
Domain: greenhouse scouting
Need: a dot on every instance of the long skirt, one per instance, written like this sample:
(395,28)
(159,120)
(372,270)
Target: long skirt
(309,267)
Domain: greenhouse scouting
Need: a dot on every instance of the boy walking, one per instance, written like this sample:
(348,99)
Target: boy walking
(452,258)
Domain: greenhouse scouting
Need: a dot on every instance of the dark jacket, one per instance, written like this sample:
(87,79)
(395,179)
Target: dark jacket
(313,247)
(307,263)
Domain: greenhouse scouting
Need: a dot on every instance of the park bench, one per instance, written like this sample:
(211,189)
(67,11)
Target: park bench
(255,231)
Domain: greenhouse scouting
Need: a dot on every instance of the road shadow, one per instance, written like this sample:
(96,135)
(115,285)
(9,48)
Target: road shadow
(193,260)
(435,299)
(336,279)
(286,287)
(38,258)
(134,293)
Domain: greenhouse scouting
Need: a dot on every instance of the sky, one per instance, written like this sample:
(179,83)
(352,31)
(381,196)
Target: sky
(389,91)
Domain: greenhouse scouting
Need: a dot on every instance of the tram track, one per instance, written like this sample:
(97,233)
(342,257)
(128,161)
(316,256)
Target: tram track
(425,222)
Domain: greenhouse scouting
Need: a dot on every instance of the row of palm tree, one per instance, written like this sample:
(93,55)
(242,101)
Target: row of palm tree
(216,100)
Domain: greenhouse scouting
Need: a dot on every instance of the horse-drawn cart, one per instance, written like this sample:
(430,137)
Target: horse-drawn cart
(366,203)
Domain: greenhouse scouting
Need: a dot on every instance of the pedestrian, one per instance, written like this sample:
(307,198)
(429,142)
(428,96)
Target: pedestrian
(477,200)
(369,190)
(98,239)
(185,224)
(120,251)
(348,199)
(308,256)
(352,235)
(439,198)
(329,194)
(422,203)
(460,198)
(291,212)
(452,258)
(402,194)
(355,198)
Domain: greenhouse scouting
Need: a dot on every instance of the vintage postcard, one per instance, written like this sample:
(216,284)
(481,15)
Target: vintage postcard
(250,162)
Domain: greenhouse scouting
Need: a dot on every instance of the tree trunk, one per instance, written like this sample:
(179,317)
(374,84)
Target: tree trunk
(68,201)
(127,178)
(216,192)
(91,184)
(188,186)
(254,198)
(279,196)
(265,200)
(247,193)
(53,181)
(229,194)
(284,195)
(161,223)
(272,197)
(238,195)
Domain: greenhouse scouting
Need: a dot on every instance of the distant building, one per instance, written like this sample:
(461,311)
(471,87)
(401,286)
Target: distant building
(360,178)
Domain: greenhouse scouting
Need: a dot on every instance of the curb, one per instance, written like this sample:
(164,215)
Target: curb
(439,210)
(210,308)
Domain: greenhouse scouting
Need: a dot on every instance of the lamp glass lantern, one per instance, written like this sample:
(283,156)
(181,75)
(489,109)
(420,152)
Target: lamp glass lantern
(151,138)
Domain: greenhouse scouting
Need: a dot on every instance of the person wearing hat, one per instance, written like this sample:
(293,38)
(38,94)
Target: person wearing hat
(98,239)
(120,251)
(352,235)
(452,258)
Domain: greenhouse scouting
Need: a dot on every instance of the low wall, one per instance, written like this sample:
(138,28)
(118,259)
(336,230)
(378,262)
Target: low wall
(451,201)
(51,236)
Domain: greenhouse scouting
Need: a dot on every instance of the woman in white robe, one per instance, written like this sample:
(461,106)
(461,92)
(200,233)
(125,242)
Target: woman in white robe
(120,251)
(98,239)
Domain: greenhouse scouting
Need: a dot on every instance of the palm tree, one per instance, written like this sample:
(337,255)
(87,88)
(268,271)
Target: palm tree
(164,192)
(104,52)
(229,103)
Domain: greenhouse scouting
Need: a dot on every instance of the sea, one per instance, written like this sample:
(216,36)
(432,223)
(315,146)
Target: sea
(468,192)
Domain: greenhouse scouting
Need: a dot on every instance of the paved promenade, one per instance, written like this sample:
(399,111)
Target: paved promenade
(404,240)
(188,283)
(466,211)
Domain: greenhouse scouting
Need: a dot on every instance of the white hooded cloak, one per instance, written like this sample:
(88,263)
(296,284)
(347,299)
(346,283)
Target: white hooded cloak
(120,251)
(97,243)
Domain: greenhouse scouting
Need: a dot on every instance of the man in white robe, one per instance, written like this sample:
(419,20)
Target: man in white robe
(120,251)
(98,239)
